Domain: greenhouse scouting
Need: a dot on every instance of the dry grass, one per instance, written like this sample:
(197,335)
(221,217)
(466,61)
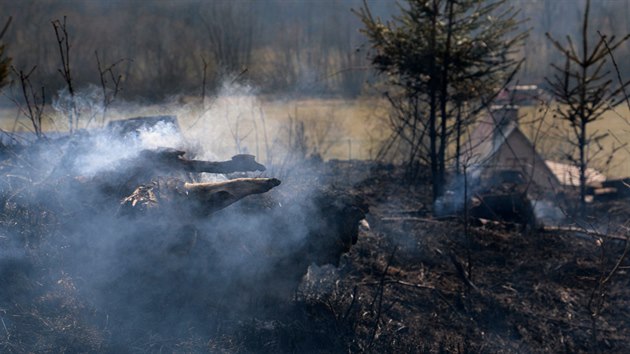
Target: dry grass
(552,138)
(335,128)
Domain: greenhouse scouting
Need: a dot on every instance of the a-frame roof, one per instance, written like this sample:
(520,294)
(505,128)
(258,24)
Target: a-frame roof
(493,135)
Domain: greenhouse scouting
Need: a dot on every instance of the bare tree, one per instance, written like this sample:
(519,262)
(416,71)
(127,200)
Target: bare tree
(585,90)
(63,43)
(229,27)
(34,101)
(110,89)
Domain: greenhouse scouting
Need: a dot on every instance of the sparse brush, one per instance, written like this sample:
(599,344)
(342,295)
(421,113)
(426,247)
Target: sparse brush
(34,101)
(5,61)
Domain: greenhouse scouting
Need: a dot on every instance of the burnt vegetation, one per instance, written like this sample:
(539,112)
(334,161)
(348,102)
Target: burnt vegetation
(230,283)
(460,237)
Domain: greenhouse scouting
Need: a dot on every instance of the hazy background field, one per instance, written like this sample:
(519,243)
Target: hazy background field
(551,140)
(277,75)
(335,128)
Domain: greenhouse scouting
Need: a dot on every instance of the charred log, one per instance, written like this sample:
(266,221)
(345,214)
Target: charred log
(337,229)
(151,164)
(234,259)
(193,199)
(508,207)
(167,159)
(180,245)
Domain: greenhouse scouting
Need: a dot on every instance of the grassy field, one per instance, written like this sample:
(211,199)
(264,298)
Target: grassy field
(334,128)
(611,156)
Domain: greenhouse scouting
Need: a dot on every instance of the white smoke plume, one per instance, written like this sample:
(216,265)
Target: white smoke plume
(133,271)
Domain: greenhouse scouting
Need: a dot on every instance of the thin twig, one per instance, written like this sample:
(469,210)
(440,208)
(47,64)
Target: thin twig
(381,289)
(5,327)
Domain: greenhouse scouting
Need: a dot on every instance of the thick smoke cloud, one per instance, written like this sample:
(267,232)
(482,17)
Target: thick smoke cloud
(153,272)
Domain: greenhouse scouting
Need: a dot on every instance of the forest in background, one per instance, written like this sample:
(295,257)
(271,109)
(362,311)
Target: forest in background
(282,47)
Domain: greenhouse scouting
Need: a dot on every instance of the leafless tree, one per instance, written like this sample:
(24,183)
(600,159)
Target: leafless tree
(109,92)
(34,100)
(63,43)
(584,89)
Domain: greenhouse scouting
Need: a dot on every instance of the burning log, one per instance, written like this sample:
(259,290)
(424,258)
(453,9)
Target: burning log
(279,243)
(167,159)
(166,162)
(336,226)
(234,255)
(198,199)
(170,241)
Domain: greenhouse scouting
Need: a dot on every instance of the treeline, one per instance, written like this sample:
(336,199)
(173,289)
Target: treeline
(307,47)
(162,48)
(562,18)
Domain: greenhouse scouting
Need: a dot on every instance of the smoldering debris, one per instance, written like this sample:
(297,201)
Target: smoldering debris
(503,196)
(148,249)
(210,286)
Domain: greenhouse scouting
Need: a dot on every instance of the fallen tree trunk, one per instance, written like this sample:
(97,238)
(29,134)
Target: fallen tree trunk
(587,233)
(165,159)
(165,163)
(135,219)
(195,199)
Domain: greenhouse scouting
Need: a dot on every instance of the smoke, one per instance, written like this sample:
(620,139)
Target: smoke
(86,104)
(159,272)
(103,154)
(526,199)
(548,213)
(230,122)
(460,187)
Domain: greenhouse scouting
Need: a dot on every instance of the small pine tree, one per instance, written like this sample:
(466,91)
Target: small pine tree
(585,90)
(438,56)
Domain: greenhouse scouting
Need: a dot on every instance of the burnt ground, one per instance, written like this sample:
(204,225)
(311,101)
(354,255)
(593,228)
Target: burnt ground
(412,283)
